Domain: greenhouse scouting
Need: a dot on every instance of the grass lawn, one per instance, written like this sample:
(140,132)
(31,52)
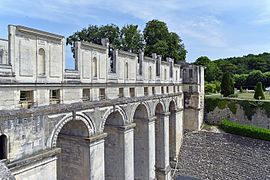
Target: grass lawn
(245,95)
(250,96)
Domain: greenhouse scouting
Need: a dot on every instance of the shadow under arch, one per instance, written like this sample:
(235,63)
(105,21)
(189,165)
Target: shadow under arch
(70,135)
(115,144)
(143,134)
(172,130)
(161,141)
(113,111)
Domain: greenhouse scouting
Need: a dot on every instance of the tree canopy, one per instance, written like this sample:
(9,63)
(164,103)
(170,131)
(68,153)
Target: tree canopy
(212,71)
(159,40)
(246,70)
(155,38)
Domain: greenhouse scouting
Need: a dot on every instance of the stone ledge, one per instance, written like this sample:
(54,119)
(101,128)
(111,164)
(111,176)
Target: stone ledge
(97,137)
(62,108)
(33,158)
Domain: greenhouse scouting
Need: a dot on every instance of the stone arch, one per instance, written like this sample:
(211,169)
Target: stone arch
(70,136)
(172,100)
(162,103)
(78,117)
(111,110)
(161,141)
(115,143)
(133,111)
(144,168)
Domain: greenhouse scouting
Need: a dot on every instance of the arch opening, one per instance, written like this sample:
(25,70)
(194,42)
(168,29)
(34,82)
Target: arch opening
(3,147)
(141,144)
(73,161)
(114,146)
(159,136)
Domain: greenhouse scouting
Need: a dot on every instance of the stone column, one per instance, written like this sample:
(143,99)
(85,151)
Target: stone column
(176,133)
(144,148)
(127,140)
(151,146)
(97,162)
(163,169)
(119,152)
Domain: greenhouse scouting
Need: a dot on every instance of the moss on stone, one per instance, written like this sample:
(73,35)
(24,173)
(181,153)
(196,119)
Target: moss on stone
(249,107)
(222,103)
(232,106)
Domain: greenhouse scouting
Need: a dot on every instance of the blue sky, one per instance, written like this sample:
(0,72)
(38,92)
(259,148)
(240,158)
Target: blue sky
(208,27)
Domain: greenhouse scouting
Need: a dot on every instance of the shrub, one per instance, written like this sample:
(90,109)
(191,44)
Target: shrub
(209,88)
(241,89)
(259,91)
(245,130)
(227,87)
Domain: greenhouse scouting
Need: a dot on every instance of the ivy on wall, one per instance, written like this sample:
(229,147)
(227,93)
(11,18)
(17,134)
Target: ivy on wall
(249,106)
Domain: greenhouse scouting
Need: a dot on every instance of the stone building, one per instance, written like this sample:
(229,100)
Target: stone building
(117,115)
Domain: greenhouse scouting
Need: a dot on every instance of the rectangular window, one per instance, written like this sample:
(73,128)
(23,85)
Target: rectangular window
(55,96)
(26,99)
(162,90)
(174,89)
(121,92)
(167,89)
(178,88)
(145,91)
(132,92)
(153,90)
(102,94)
(86,95)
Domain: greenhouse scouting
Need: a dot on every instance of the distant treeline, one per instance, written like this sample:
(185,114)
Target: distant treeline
(246,70)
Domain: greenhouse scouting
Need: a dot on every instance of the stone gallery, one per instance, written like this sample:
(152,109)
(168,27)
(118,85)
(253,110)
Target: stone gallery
(116,116)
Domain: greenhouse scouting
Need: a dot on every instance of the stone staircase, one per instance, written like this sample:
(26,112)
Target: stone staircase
(209,155)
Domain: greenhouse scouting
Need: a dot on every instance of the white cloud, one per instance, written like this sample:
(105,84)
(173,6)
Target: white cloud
(200,21)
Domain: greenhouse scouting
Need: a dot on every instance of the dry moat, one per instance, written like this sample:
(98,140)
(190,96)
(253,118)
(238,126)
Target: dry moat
(209,155)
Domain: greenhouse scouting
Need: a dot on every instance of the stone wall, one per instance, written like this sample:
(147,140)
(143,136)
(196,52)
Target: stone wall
(248,112)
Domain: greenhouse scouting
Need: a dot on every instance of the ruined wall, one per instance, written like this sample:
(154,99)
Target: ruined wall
(248,112)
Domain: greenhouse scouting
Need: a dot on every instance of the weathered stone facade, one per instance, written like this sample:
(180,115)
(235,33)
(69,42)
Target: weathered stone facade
(117,117)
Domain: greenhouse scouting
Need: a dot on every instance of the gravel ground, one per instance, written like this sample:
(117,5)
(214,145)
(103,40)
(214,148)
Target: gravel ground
(209,155)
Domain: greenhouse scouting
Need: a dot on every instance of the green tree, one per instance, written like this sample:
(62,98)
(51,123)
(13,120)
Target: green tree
(176,47)
(227,87)
(212,71)
(94,34)
(254,77)
(259,91)
(112,32)
(241,89)
(240,80)
(159,40)
(131,38)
